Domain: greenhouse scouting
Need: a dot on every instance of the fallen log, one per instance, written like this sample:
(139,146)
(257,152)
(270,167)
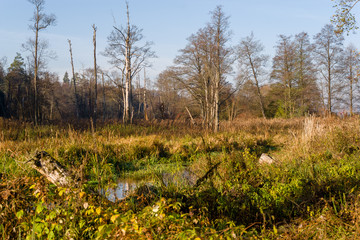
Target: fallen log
(52,170)
(207,174)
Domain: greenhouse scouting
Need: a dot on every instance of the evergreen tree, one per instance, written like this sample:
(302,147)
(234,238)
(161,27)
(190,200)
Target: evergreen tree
(17,86)
(2,85)
(66,79)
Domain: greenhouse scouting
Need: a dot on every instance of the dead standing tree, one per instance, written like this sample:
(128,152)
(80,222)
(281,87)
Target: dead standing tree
(95,78)
(74,81)
(123,51)
(40,21)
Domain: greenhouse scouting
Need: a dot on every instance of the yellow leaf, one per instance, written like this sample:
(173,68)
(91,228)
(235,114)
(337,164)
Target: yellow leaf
(113,218)
(81,194)
(98,210)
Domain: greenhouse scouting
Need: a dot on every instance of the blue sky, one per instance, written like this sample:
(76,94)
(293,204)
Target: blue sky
(167,23)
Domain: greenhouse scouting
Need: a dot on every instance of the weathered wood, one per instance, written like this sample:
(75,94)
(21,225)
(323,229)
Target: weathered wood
(266,159)
(74,81)
(52,169)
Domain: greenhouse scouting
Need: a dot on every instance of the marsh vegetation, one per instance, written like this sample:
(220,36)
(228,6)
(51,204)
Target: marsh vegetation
(311,191)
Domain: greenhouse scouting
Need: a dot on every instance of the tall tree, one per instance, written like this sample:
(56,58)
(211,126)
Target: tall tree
(252,63)
(168,90)
(104,95)
(351,71)
(191,73)
(2,87)
(74,80)
(95,77)
(219,28)
(39,22)
(328,50)
(17,82)
(66,79)
(305,75)
(284,72)
(125,51)
(146,118)
(204,64)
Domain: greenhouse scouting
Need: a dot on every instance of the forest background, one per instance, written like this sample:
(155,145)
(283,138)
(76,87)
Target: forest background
(213,77)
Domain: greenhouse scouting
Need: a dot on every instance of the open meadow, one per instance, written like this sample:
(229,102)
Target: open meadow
(310,191)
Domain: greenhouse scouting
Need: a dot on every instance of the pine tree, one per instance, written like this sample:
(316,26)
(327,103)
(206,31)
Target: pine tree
(66,79)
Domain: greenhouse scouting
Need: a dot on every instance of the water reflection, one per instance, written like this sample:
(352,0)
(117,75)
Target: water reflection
(125,186)
(123,189)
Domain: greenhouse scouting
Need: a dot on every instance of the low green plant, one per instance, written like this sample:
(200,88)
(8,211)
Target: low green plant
(310,191)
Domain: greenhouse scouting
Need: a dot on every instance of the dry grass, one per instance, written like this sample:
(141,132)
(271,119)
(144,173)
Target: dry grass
(305,146)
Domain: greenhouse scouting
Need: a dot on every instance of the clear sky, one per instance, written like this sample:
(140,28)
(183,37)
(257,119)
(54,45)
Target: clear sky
(167,23)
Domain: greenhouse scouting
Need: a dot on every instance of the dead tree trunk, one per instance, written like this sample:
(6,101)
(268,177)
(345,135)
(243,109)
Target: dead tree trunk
(95,77)
(74,80)
(104,98)
(145,106)
(52,170)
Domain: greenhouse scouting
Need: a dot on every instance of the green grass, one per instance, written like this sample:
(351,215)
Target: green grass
(310,192)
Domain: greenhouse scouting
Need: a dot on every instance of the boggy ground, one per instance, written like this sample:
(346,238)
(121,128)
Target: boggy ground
(310,192)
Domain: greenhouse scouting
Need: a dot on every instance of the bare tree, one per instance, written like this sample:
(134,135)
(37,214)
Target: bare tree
(104,95)
(351,71)
(252,64)
(307,94)
(328,49)
(125,51)
(95,77)
(219,27)
(284,72)
(146,118)
(204,64)
(40,21)
(169,91)
(192,75)
(74,80)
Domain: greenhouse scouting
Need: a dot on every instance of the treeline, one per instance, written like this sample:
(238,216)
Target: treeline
(210,79)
